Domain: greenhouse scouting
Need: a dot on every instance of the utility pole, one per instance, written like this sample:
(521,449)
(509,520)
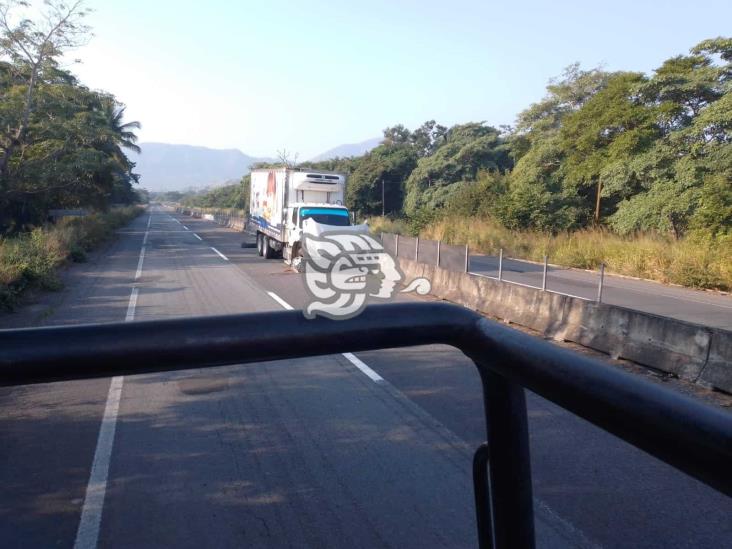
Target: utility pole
(597,202)
(383,203)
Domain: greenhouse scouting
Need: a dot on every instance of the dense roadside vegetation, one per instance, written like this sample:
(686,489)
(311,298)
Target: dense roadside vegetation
(61,147)
(625,168)
(31,259)
(61,144)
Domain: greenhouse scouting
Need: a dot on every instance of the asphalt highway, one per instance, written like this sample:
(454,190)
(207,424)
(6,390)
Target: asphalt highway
(372,450)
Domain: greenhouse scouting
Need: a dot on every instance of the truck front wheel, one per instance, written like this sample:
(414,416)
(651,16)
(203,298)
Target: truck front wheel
(298,261)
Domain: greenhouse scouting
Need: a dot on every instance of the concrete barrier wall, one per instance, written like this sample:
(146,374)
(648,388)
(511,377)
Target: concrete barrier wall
(693,352)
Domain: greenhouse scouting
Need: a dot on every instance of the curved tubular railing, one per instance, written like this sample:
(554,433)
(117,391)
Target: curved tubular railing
(691,436)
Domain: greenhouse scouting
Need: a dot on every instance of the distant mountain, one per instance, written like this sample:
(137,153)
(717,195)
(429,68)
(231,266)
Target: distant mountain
(351,149)
(166,167)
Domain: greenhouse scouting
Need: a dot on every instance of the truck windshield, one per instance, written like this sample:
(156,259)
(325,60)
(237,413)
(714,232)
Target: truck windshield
(326,216)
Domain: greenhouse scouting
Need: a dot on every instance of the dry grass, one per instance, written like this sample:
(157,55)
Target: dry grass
(697,262)
(32,259)
(387,225)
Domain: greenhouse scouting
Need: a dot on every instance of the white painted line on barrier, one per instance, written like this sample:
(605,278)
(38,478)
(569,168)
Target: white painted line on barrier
(353,359)
(220,254)
(198,237)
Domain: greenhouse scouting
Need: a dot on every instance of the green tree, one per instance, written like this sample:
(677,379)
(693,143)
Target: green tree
(692,159)
(465,150)
(377,183)
(599,139)
(61,144)
(33,47)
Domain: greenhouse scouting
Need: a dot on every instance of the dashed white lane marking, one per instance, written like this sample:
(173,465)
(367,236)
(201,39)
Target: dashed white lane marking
(278,299)
(361,365)
(186,228)
(220,254)
(198,237)
(138,273)
(353,359)
(87,535)
(131,306)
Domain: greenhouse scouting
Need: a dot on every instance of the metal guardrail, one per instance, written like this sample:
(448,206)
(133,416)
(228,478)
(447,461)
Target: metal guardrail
(687,434)
(457,258)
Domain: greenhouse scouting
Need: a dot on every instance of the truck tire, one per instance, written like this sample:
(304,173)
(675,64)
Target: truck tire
(260,242)
(268,251)
(298,261)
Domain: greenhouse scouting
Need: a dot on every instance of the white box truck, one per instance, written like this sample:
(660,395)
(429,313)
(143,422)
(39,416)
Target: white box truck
(285,202)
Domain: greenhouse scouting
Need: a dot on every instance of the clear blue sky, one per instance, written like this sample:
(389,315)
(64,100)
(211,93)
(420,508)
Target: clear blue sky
(307,76)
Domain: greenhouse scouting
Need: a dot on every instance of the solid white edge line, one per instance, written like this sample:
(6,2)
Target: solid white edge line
(198,237)
(87,534)
(220,254)
(353,359)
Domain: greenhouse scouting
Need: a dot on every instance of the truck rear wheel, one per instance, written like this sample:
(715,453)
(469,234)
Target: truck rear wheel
(268,251)
(260,243)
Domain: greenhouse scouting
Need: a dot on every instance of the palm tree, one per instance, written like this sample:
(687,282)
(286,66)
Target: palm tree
(121,132)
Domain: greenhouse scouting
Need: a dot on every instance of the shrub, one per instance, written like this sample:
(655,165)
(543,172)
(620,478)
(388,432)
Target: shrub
(32,259)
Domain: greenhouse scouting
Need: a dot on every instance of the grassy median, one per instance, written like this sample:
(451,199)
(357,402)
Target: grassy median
(695,261)
(31,259)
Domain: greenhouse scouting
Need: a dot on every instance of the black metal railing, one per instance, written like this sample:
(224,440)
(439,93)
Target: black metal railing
(691,436)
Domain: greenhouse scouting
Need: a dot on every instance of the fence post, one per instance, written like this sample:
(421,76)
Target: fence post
(543,279)
(396,246)
(500,264)
(602,282)
(416,249)
(467,259)
(438,253)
